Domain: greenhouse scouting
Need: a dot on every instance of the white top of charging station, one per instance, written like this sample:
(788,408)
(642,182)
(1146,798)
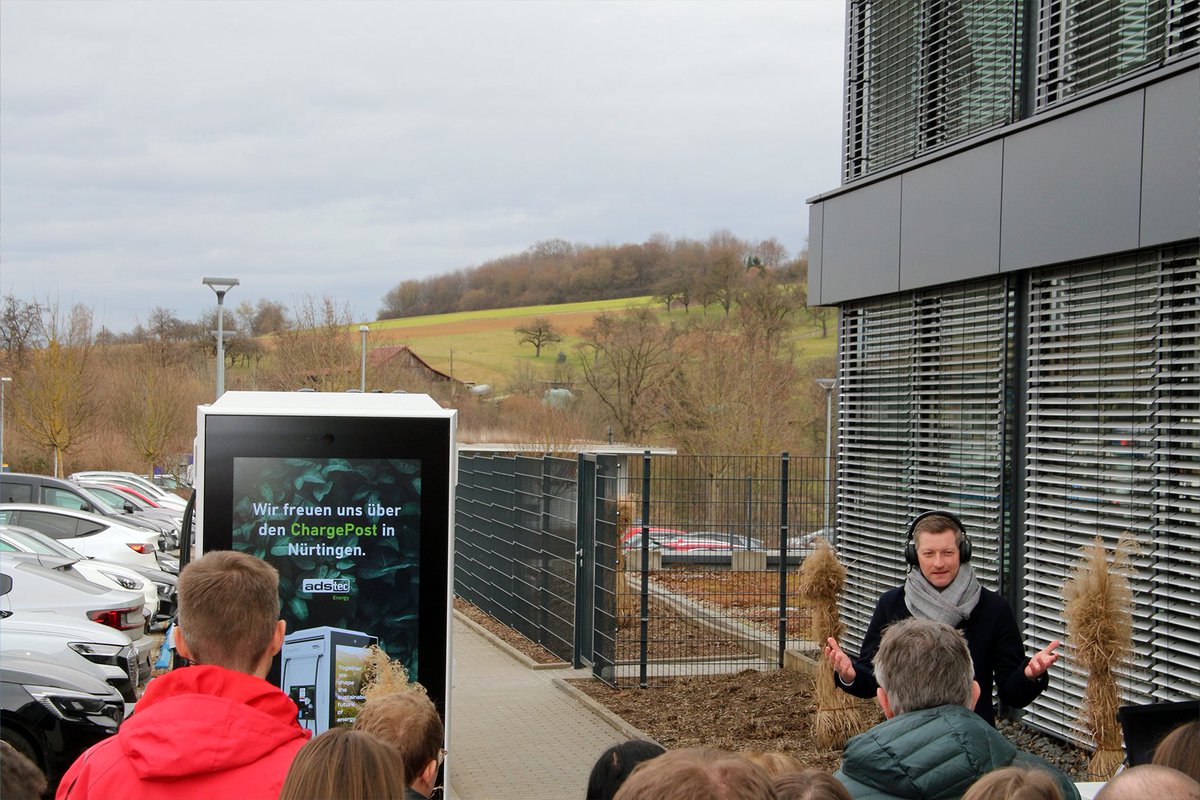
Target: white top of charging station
(328,404)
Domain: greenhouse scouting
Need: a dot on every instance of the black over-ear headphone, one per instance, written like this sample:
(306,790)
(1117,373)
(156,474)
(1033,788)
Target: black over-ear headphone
(964,544)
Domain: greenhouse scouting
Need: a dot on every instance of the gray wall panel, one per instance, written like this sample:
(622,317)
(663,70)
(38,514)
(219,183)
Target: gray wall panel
(860,253)
(1072,187)
(950,218)
(816,214)
(1171,161)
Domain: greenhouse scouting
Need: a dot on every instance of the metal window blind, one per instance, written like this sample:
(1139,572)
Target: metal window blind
(921,416)
(924,73)
(1113,446)
(1086,44)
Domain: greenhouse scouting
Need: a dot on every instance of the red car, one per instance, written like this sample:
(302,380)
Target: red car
(671,539)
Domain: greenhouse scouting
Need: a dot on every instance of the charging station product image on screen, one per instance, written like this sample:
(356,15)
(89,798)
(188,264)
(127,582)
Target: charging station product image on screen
(345,535)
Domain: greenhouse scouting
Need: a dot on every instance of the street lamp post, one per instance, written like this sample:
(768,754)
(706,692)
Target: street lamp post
(828,384)
(363,380)
(3,381)
(221,286)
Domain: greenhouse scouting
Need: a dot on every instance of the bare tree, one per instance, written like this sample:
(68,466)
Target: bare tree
(822,315)
(625,359)
(539,332)
(767,310)
(54,401)
(20,327)
(317,349)
(155,411)
(731,394)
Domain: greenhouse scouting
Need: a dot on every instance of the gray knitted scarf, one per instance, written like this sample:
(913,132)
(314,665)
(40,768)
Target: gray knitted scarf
(951,605)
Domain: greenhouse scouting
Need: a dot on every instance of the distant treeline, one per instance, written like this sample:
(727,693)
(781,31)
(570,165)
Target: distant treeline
(679,272)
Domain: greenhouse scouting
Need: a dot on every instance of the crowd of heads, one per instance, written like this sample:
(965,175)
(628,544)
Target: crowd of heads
(395,747)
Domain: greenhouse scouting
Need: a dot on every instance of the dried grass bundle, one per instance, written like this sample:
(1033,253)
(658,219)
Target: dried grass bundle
(1099,621)
(822,579)
(383,676)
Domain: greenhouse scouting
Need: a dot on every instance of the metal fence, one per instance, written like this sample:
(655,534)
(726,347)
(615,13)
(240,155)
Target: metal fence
(515,531)
(642,567)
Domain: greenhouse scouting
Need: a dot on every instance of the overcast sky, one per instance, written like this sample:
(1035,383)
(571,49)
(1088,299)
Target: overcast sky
(314,148)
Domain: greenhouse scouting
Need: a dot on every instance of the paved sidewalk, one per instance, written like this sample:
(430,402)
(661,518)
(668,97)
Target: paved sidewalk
(513,733)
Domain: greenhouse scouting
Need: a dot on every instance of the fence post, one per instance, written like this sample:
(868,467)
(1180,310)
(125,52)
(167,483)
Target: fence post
(783,547)
(643,645)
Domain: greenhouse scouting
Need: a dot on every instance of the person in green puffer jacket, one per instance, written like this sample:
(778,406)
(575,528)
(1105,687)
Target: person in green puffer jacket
(932,745)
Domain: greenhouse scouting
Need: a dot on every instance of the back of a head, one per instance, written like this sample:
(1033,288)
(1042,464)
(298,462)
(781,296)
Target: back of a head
(698,773)
(1150,781)
(810,784)
(1180,749)
(409,722)
(1015,783)
(20,778)
(228,608)
(924,664)
(773,763)
(614,765)
(344,764)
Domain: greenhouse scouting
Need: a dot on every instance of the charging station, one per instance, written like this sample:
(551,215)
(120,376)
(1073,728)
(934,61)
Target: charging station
(350,496)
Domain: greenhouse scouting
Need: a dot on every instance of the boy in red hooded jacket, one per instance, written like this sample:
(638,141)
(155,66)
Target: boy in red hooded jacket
(215,729)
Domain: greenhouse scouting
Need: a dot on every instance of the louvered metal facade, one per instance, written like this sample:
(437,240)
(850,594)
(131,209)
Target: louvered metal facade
(1105,442)
(921,426)
(921,74)
(1113,448)
(1014,255)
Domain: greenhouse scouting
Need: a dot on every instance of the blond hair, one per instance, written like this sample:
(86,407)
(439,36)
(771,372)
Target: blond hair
(697,773)
(342,764)
(228,609)
(1015,783)
(407,721)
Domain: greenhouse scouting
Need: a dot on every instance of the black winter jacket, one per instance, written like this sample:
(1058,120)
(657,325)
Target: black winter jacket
(992,637)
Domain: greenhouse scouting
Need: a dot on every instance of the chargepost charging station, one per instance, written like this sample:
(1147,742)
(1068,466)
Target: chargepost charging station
(350,496)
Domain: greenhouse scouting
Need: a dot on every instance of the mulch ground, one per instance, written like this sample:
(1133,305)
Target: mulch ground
(746,710)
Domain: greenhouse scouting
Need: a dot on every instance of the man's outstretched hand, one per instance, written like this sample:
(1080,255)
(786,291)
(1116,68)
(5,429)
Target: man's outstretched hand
(1042,661)
(840,662)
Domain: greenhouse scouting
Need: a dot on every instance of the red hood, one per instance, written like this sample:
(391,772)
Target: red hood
(202,719)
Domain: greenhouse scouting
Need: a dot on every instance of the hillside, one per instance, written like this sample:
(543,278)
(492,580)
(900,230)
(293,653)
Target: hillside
(481,347)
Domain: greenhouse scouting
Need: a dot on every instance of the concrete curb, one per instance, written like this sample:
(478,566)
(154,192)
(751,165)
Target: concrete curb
(619,724)
(505,647)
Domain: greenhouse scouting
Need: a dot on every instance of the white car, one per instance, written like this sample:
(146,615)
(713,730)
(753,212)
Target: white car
(89,534)
(155,493)
(86,646)
(30,582)
(105,573)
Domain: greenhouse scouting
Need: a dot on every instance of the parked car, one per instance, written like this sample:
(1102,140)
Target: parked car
(632,538)
(140,508)
(87,646)
(159,495)
(32,582)
(51,713)
(90,534)
(106,573)
(18,487)
(805,543)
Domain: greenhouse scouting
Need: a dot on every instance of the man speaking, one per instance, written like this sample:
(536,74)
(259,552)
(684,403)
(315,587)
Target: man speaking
(943,588)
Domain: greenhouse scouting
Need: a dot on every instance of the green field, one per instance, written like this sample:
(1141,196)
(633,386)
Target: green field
(481,346)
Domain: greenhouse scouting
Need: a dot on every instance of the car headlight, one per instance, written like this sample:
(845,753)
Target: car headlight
(124,581)
(122,656)
(74,706)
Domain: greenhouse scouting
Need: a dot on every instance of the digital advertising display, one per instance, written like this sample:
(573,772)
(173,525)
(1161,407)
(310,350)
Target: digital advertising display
(349,498)
(345,535)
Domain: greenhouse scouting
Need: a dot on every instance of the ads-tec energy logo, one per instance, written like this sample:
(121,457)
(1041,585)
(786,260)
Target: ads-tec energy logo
(325,586)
